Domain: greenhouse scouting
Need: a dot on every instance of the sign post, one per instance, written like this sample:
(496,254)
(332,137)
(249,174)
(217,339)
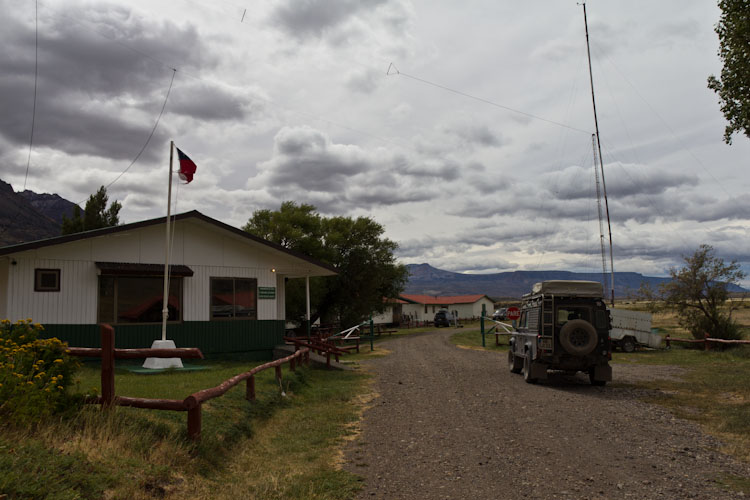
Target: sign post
(513,313)
(481,321)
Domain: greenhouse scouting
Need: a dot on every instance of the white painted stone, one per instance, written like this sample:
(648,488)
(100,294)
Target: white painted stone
(162,363)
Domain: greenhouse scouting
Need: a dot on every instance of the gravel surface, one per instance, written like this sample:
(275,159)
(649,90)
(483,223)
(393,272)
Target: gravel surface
(455,423)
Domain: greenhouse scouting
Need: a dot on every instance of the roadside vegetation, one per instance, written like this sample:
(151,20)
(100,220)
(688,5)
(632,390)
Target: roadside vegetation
(275,447)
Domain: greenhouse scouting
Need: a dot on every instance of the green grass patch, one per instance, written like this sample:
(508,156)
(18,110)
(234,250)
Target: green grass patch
(275,447)
(472,338)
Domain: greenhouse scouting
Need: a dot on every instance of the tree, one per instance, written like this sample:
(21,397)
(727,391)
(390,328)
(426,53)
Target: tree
(368,271)
(733,88)
(96,215)
(698,293)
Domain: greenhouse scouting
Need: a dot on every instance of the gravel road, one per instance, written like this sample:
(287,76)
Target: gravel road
(455,423)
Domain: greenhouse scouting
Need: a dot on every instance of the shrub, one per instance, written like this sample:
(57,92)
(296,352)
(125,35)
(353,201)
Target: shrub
(35,374)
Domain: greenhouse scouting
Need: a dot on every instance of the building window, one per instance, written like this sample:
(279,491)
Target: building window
(46,280)
(234,298)
(138,299)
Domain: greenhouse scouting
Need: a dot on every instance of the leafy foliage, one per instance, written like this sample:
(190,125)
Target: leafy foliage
(698,293)
(34,373)
(96,215)
(368,271)
(733,87)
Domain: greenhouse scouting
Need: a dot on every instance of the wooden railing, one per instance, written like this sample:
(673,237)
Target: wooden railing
(191,404)
(707,341)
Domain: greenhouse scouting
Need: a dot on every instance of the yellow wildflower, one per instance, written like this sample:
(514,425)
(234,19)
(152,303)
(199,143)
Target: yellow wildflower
(58,361)
(60,387)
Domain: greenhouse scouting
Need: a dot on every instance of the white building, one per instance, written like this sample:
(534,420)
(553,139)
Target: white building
(424,307)
(227,287)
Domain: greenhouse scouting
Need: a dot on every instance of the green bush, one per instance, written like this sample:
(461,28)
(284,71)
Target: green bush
(35,374)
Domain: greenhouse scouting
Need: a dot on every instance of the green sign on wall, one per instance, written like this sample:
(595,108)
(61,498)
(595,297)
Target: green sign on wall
(266,292)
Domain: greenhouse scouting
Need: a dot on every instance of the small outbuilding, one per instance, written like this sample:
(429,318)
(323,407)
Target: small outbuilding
(424,307)
(226,286)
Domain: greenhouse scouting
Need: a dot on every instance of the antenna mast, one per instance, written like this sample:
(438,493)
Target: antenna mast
(599,210)
(601,162)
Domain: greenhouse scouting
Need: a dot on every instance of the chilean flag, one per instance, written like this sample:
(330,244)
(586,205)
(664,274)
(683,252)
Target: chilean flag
(187,166)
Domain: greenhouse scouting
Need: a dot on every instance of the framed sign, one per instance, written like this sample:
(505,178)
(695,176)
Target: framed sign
(266,292)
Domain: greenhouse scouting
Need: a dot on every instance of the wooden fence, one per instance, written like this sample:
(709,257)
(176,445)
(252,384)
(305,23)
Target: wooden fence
(191,404)
(707,341)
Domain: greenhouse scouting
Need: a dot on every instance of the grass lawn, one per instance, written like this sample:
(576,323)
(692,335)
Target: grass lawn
(275,447)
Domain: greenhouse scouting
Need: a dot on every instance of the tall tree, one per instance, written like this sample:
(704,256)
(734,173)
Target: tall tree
(698,293)
(96,215)
(733,86)
(368,271)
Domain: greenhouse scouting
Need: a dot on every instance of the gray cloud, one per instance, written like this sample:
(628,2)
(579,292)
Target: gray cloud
(97,93)
(313,18)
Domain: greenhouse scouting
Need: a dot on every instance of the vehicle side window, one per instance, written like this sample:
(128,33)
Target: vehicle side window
(522,319)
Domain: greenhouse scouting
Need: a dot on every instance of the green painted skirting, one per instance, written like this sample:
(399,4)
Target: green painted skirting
(211,337)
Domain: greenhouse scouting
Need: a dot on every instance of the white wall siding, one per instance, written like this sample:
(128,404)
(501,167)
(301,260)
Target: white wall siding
(386,317)
(280,297)
(4,265)
(75,303)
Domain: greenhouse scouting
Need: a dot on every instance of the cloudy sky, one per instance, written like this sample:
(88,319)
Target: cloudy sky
(464,130)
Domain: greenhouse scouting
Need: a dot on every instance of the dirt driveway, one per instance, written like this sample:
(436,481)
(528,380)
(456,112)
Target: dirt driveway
(455,423)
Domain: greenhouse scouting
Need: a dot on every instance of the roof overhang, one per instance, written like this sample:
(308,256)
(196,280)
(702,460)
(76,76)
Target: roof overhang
(130,269)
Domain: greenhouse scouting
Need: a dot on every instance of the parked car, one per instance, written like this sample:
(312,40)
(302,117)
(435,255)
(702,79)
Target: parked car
(443,318)
(499,314)
(565,326)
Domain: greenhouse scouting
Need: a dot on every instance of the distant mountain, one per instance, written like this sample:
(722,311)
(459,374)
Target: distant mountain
(427,280)
(23,215)
(53,206)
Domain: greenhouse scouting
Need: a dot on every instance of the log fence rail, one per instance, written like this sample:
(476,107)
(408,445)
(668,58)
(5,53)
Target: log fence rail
(191,404)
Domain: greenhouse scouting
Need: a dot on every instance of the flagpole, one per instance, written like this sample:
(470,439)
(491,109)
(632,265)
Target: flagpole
(165,308)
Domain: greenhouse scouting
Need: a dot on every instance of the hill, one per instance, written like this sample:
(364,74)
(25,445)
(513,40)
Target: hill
(20,220)
(52,206)
(427,280)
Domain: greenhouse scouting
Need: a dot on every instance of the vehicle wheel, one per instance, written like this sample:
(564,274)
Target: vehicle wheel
(578,337)
(627,344)
(515,364)
(526,370)
(595,381)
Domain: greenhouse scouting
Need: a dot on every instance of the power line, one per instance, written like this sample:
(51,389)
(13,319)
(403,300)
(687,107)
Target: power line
(36,75)
(158,118)
(480,99)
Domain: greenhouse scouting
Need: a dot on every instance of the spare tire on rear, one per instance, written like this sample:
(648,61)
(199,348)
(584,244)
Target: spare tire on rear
(578,337)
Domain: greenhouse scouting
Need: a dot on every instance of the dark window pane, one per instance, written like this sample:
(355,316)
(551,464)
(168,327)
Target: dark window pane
(222,298)
(244,298)
(106,299)
(140,300)
(46,280)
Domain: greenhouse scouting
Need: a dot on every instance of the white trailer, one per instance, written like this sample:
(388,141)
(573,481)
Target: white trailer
(631,329)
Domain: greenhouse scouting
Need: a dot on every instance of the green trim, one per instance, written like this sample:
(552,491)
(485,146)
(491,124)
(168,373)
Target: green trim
(211,337)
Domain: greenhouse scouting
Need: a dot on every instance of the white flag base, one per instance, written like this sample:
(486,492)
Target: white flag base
(162,363)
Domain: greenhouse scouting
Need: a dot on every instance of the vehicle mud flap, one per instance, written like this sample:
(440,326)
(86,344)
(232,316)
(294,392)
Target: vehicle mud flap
(603,372)
(539,371)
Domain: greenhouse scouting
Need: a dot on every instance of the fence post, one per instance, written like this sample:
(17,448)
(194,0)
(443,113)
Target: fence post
(706,345)
(666,340)
(108,364)
(481,321)
(194,422)
(250,388)
(372,335)
(278,373)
